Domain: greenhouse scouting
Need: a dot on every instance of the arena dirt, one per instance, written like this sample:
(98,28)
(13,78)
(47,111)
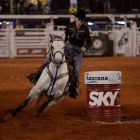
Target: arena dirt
(68,120)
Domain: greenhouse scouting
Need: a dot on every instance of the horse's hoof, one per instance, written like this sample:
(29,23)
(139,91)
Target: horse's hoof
(11,112)
(8,117)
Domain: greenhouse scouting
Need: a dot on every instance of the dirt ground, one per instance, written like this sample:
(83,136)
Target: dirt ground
(68,120)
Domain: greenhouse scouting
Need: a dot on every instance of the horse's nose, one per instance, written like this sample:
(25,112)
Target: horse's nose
(58,57)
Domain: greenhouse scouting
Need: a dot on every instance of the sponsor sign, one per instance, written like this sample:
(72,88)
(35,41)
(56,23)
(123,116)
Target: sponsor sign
(31,51)
(103,77)
(123,42)
(102,98)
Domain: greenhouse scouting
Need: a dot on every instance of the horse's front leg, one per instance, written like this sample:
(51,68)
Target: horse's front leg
(41,86)
(24,103)
(45,104)
(55,96)
(20,107)
(55,101)
(33,94)
(51,100)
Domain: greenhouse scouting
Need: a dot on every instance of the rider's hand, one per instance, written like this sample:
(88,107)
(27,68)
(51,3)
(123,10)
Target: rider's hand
(83,49)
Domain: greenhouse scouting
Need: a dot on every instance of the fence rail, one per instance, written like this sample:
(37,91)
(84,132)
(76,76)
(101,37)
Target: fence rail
(4,43)
(34,42)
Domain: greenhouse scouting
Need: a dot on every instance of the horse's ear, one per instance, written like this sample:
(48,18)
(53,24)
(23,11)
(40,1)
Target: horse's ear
(51,38)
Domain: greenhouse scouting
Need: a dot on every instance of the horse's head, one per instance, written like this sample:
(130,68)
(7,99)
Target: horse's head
(57,49)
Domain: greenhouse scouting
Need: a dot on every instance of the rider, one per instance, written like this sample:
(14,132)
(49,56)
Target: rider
(77,41)
(77,38)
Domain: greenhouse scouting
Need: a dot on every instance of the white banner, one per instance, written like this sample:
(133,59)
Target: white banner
(103,77)
(123,42)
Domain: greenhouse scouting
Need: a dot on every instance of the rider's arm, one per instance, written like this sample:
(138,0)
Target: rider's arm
(87,38)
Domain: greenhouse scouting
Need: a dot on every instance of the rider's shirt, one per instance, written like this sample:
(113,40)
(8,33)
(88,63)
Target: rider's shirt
(78,37)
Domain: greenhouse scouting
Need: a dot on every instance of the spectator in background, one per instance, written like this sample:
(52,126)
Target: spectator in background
(48,6)
(39,7)
(18,25)
(5,6)
(54,5)
(4,25)
(21,7)
(27,7)
(36,7)
(84,4)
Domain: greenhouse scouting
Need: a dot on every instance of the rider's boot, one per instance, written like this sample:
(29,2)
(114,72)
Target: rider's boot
(73,88)
(73,91)
(73,81)
(33,77)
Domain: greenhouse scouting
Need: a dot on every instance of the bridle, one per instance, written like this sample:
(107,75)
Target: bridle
(52,55)
(55,77)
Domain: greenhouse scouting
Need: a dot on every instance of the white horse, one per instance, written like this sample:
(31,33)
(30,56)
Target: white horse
(53,80)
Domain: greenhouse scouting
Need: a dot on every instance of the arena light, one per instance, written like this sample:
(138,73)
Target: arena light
(90,23)
(7,23)
(121,22)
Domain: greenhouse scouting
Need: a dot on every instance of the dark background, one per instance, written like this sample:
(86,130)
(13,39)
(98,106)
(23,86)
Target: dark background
(62,6)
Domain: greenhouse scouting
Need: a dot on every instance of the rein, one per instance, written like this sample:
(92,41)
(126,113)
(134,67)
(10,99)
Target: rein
(53,58)
(55,78)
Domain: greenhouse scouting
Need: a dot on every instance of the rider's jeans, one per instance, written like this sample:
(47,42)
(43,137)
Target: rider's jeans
(76,55)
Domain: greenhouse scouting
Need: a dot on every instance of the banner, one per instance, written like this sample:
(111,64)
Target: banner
(123,42)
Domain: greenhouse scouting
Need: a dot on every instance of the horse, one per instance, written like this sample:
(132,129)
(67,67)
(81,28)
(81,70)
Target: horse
(53,80)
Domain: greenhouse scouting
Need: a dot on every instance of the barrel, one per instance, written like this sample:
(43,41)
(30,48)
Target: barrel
(103,96)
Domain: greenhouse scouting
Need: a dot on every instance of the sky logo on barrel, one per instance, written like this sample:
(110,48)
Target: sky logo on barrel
(102,98)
